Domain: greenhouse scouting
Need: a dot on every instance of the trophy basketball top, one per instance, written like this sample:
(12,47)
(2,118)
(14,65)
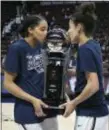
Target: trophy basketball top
(56,39)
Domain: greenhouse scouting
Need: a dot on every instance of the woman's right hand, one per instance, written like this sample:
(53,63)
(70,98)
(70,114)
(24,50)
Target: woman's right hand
(38,105)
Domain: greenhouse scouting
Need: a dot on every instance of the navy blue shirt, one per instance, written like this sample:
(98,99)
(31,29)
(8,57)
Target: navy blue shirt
(89,59)
(27,63)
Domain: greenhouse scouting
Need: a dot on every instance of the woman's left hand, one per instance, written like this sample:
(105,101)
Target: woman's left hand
(69,107)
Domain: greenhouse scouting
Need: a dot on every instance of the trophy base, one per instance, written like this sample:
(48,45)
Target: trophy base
(53,108)
(53,111)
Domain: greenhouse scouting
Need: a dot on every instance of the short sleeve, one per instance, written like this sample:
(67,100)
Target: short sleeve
(12,60)
(87,60)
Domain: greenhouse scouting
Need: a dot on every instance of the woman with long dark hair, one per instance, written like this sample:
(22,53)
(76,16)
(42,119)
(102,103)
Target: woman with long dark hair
(24,75)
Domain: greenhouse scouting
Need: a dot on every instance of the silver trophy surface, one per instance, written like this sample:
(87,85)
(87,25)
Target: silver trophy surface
(55,59)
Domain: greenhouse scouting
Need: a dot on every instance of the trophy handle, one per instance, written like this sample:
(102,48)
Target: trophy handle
(45,62)
(65,66)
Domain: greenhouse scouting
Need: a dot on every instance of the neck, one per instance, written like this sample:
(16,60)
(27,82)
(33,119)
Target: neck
(84,39)
(30,41)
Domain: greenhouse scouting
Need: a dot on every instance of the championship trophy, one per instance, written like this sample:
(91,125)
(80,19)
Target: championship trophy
(55,58)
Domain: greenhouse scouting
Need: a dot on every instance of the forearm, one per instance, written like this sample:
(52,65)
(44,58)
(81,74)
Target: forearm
(18,92)
(88,91)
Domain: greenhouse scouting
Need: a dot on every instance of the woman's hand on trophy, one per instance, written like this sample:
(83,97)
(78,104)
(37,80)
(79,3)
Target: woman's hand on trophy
(38,105)
(69,107)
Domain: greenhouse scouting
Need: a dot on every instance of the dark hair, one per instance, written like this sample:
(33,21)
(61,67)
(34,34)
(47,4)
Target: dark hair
(29,21)
(86,15)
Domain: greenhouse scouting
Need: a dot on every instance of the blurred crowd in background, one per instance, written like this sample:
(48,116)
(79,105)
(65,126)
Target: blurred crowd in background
(56,13)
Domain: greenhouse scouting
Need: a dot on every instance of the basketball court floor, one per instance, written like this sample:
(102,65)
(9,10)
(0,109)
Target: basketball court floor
(9,124)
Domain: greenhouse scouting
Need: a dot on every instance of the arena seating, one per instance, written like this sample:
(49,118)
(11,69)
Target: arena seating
(59,14)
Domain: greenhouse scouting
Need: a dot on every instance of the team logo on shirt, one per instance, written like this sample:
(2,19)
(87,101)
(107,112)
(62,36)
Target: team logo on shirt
(34,62)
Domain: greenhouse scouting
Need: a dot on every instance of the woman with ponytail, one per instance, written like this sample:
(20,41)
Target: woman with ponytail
(89,101)
(24,75)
